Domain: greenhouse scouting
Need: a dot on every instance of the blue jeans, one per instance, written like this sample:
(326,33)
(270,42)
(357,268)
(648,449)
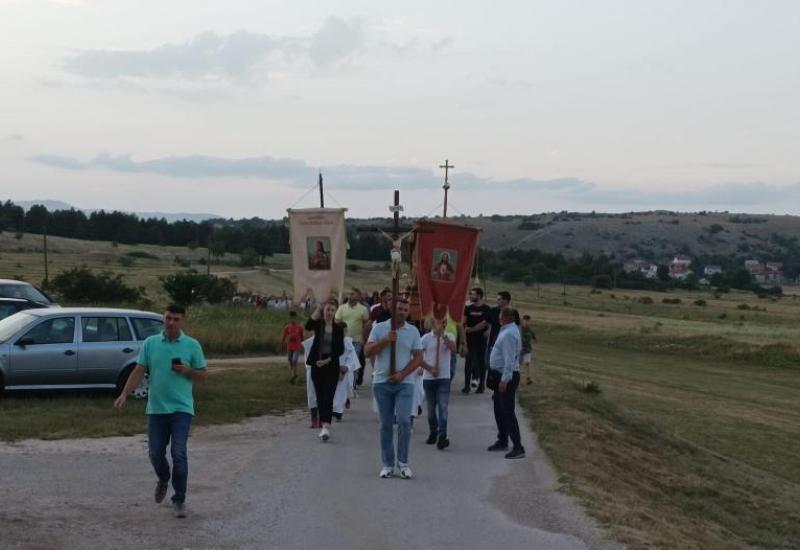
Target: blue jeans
(160,429)
(391,397)
(437,394)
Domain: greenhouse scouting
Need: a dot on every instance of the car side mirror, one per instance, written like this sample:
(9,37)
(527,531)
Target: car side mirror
(24,341)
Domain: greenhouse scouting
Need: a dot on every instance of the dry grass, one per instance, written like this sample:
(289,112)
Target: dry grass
(677,451)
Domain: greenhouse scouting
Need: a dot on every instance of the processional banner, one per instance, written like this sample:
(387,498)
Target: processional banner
(445,255)
(318,242)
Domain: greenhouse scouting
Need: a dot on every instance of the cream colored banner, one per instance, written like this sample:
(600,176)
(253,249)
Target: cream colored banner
(319,252)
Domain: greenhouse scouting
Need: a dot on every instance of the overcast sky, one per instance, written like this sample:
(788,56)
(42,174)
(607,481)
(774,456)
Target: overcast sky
(232,107)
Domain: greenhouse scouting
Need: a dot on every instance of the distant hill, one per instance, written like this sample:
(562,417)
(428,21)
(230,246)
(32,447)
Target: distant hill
(52,205)
(655,236)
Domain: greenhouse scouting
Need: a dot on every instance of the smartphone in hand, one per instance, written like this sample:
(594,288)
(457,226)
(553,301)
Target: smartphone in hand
(176,361)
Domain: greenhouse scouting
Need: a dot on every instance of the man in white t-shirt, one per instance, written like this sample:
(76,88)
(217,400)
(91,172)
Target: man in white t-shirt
(436,381)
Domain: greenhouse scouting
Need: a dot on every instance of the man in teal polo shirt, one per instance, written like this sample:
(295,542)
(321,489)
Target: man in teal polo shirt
(394,393)
(174,361)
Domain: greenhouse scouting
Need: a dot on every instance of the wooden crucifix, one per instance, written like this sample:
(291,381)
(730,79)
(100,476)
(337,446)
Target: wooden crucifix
(396,234)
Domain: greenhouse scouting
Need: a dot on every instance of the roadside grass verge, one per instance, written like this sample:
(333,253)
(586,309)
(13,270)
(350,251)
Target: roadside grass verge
(668,451)
(235,330)
(229,395)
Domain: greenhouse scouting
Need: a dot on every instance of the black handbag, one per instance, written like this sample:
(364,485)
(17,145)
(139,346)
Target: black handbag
(493,379)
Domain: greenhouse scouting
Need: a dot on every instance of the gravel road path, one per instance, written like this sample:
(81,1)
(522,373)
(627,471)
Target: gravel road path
(269,483)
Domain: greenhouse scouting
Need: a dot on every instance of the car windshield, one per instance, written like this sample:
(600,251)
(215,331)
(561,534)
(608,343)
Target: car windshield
(12,325)
(26,292)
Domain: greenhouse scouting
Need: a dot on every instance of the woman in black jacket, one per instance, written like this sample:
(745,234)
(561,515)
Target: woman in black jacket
(327,348)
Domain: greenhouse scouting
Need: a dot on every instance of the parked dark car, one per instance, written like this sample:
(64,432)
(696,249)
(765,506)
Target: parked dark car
(11,288)
(10,306)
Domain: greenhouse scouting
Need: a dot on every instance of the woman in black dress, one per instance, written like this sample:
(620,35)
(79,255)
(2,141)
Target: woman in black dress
(323,358)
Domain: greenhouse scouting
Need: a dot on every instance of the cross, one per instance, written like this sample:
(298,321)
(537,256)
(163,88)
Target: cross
(446,166)
(396,236)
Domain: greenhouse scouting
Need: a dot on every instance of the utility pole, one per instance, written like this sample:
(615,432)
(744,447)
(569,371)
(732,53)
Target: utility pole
(446,166)
(321,193)
(44,242)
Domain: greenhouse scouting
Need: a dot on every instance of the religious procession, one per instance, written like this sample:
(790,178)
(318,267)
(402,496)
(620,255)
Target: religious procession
(409,341)
(393,353)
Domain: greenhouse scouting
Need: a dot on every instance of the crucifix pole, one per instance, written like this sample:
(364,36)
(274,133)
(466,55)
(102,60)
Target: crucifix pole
(395,208)
(446,166)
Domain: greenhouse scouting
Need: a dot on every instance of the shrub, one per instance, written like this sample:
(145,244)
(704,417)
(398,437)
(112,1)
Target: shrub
(190,287)
(646,300)
(591,388)
(744,307)
(82,285)
(701,303)
(671,301)
(181,261)
(126,261)
(249,257)
(353,267)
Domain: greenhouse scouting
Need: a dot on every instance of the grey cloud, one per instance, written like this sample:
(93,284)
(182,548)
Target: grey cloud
(205,55)
(241,56)
(336,39)
(354,177)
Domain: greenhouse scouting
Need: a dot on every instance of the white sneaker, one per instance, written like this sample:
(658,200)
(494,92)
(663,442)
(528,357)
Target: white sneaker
(324,434)
(405,472)
(386,473)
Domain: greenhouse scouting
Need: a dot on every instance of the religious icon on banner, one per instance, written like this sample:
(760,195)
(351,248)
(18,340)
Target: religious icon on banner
(444,264)
(319,257)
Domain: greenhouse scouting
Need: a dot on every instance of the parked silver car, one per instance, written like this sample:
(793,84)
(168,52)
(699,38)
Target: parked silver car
(53,348)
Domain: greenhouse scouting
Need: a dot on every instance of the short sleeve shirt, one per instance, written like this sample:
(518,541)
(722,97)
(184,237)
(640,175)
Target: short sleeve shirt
(408,341)
(169,391)
(473,315)
(354,317)
(294,337)
(526,333)
(429,355)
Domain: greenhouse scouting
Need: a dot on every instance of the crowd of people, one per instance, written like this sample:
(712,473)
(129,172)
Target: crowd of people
(413,361)
(495,342)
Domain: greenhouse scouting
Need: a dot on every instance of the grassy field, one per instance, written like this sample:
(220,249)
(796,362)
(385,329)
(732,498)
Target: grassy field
(229,395)
(675,427)
(676,423)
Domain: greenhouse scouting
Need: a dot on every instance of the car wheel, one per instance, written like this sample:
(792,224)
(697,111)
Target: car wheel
(143,389)
(139,392)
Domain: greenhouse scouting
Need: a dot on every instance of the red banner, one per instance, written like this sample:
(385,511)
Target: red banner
(445,255)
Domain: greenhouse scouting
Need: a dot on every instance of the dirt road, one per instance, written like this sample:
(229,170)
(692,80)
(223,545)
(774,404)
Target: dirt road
(269,483)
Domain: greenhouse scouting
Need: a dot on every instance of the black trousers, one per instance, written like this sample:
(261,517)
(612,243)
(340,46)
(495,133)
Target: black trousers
(504,415)
(475,365)
(325,380)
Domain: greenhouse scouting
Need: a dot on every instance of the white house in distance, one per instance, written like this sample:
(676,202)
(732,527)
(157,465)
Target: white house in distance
(757,270)
(643,267)
(773,272)
(711,270)
(680,267)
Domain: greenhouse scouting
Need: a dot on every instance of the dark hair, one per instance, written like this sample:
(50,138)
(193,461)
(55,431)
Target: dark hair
(176,309)
(517,320)
(356,289)
(332,302)
(478,291)
(385,291)
(526,317)
(505,295)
